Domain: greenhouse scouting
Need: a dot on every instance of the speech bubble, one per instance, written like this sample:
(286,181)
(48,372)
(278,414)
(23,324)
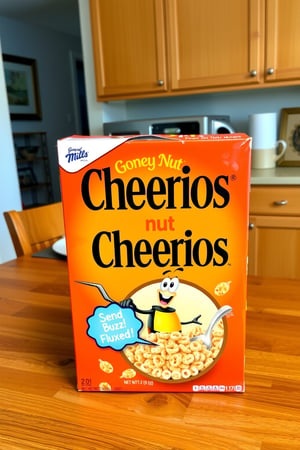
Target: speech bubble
(114,326)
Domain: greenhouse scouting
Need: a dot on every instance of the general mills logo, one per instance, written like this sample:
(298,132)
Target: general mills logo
(74,154)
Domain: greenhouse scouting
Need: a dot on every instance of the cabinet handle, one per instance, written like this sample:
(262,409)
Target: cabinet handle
(280,202)
(160,82)
(270,71)
(251,226)
(253,73)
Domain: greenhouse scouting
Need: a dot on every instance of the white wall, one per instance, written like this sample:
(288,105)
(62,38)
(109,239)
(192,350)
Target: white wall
(238,105)
(51,50)
(9,187)
(95,109)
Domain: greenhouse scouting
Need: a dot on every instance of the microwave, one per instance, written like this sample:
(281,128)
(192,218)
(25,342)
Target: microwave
(174,125)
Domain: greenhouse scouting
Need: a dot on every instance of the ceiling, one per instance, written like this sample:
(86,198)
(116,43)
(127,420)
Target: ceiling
(58,15)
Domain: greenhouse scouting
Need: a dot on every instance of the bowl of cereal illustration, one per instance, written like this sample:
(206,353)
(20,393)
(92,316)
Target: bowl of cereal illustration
(175,319)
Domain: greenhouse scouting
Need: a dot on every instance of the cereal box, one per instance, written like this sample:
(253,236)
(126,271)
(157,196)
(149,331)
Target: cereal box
(156,232)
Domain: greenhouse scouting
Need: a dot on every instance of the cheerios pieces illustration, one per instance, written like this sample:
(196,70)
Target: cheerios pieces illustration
(176,357)
(222,288)
(128,373)
(104,386)
(105,366)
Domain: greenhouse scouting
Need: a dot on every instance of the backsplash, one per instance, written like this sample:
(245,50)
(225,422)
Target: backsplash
(238,105)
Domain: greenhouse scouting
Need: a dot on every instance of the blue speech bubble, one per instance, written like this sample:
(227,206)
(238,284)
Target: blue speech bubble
(115,326)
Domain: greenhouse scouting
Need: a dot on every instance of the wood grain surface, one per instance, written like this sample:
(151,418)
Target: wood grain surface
(40,407)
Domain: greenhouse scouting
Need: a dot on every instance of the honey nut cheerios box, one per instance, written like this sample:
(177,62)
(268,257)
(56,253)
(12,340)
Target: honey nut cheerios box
(157,237)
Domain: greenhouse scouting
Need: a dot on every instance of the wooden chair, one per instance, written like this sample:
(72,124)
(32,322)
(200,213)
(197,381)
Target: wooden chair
(34,229)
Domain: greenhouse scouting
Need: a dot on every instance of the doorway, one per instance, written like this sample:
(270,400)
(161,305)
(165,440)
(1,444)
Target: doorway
(79,94)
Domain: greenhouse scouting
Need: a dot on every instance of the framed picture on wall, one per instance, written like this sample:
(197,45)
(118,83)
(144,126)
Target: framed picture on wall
(290,132)
(22,87)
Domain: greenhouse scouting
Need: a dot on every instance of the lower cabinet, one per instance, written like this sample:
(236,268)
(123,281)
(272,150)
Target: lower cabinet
(274,231)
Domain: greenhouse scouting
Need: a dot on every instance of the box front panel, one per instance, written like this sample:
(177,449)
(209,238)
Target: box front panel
(157,243)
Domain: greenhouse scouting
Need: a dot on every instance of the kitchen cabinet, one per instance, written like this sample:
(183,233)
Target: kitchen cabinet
(274,231)
(282,41)
(33,168)
(129,47)
(147,48)
(213,43)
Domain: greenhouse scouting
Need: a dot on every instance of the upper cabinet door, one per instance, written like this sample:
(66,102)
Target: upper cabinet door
(129,47)
(214,43)
(282,40)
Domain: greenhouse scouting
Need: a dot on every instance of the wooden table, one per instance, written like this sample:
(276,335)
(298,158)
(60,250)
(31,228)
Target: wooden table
(41,409)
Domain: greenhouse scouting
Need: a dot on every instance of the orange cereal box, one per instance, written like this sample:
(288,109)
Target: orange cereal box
(157,237)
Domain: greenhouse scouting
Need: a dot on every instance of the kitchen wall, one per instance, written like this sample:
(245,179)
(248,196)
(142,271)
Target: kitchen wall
(10,197)
(52,51)
(238,105)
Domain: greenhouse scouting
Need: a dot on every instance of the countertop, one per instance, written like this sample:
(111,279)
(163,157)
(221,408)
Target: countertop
(40,407)
(276,176)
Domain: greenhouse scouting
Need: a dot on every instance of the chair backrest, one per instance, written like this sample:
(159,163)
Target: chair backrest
(34,229)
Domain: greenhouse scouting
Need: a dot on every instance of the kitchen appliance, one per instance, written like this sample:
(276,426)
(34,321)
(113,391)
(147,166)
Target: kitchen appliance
(174,125)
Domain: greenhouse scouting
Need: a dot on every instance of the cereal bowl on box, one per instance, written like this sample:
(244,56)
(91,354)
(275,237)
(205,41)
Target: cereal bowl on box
(171,356)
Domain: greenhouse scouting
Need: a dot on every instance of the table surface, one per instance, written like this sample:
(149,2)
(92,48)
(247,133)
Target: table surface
(40,407)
